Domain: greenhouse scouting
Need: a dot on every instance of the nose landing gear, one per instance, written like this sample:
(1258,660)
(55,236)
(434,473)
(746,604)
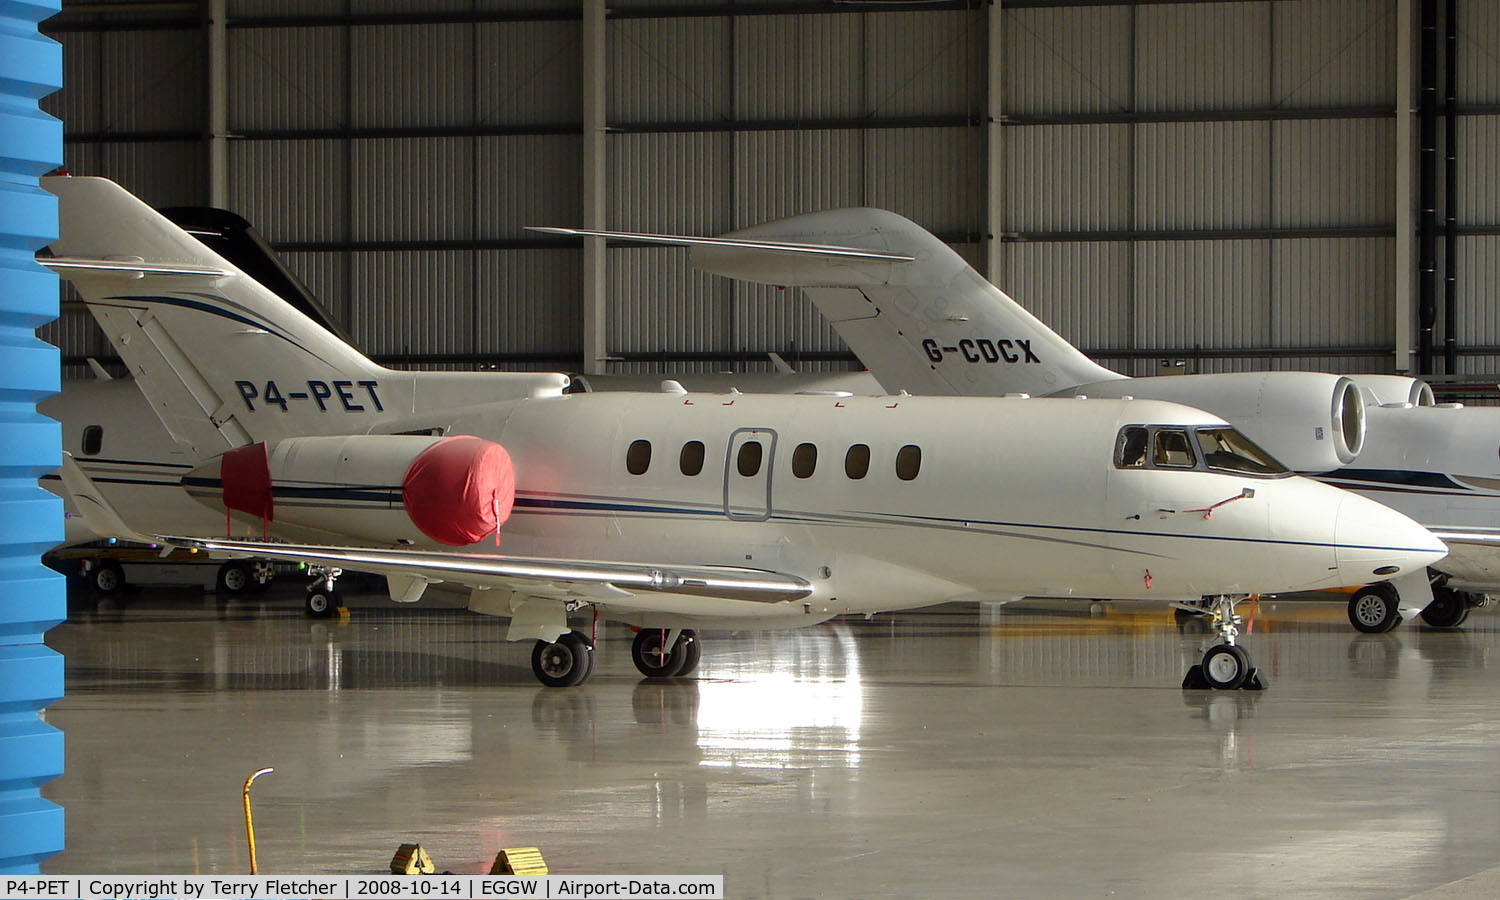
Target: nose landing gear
(1225,666)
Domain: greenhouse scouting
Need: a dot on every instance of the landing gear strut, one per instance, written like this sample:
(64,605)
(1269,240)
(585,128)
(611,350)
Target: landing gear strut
(322,599)
(652,658)
(1225,666)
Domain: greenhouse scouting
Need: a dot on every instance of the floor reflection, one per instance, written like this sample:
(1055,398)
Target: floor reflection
(1045,746)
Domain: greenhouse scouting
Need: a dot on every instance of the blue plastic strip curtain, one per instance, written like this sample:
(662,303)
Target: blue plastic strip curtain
(32,598)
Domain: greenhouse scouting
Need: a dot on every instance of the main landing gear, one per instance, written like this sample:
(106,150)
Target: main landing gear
(239,576)
(322,600)
(1376,608)
(566,662)
(1225,666)
(654,657)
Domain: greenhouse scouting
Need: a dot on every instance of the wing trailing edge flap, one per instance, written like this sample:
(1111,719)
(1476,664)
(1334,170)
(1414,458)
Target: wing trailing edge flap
(533,576)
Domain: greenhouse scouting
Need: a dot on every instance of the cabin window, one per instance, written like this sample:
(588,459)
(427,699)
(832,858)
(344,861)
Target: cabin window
(691,459)
(804,460)
(93,440)
(1172,450)
(638,457)
(1130,447)
(747,462)
(908,462)
(857,461)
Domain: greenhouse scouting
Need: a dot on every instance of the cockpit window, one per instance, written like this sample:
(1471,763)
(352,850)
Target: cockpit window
(1217,448)
(1227,450)
(1172,450)
(1130,449)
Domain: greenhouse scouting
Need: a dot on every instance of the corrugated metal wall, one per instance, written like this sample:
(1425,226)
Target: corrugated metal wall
(1180,180)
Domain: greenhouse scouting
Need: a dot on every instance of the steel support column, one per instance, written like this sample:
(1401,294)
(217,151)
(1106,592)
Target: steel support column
(595,316)
(995,144)
(31,596)
(1406,225)
(218,103)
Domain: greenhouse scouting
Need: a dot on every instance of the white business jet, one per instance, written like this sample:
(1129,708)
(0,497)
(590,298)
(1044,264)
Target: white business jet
(675,511)
(935,326)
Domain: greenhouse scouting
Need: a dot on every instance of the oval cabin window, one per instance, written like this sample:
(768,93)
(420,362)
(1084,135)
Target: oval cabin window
(908,462)
(93,440)
(857,461)
(748,461)
(804,460)
(638,457)
(691,459)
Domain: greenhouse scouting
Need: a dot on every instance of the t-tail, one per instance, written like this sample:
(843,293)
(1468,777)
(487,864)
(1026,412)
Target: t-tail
(918,316)
(223,360)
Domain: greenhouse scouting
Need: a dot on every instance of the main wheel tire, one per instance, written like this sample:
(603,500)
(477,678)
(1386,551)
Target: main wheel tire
(692,652)
(564,663)
(235,577)
(1375,608)
(1448,608)
(1225,666)
(649,657)
(321,602)
(107,577)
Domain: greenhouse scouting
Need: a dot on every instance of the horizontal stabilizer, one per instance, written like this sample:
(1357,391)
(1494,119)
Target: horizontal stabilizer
(829,251)
(133,268)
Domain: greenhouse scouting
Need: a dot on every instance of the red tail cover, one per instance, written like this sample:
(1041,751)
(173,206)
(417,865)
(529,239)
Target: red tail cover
(459,490)
(246,475)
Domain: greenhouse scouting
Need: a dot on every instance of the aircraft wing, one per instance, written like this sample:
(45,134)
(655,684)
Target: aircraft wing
(541,575)
(1473,558)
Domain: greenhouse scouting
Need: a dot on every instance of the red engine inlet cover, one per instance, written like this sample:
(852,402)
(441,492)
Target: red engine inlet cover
(245,474)
(459,490)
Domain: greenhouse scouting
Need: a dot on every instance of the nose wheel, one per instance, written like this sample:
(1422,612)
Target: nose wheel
(1226,665)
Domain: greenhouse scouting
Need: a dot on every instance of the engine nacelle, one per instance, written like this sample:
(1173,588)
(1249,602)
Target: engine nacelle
(1394,390)
(389,488)
(1310,421)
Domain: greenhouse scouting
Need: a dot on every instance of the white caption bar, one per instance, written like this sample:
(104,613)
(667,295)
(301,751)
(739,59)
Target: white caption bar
(359,887)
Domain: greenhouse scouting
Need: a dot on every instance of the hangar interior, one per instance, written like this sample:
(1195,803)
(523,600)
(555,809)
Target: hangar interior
(1214,184)
(1203,187)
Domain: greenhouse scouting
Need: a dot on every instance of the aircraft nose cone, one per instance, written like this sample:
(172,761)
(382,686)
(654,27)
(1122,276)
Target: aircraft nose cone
(1375,543)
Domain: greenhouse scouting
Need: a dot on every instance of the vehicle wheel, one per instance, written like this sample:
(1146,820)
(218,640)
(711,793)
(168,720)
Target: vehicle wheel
(692,651)
(564,663)
(1448,608)
(1225,666)
(321,602)
(235,577)
(649,657)
(107,577)
(1374,608)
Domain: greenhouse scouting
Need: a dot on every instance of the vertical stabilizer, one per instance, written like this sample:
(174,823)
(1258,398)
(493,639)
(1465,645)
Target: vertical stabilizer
(929,326)
(223,360)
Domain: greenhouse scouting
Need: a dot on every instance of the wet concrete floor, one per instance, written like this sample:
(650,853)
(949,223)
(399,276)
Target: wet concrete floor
(1040,749)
